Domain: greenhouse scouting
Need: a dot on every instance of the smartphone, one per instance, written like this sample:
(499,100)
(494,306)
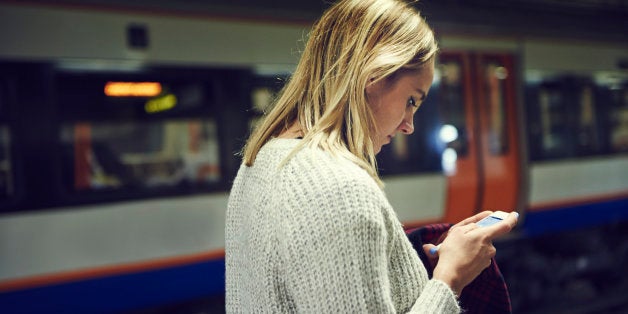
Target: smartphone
(485,222)
(492,219)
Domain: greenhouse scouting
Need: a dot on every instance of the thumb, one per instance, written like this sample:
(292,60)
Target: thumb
(430,250)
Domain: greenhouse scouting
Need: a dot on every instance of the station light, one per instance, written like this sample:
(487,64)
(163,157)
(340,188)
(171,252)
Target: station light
(448,133)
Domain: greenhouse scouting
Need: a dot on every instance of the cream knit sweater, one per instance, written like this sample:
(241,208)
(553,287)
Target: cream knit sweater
(318,236)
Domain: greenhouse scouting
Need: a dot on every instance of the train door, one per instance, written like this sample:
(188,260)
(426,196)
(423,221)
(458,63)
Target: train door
(482,161)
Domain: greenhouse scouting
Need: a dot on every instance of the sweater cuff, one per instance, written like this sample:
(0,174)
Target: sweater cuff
(436,297)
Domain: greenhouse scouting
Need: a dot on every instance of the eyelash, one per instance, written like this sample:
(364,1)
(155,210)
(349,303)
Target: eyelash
(412,102)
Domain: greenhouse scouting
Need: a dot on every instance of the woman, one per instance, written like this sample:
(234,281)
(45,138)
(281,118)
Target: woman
(309,228)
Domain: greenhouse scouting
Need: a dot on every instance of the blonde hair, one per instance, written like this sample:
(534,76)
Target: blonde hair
(355,42)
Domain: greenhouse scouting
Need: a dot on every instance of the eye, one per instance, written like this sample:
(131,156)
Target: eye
(412,102)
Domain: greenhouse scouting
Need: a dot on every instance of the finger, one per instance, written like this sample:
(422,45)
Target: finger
(503,226)
(468,227)
(474,218)
(492,251)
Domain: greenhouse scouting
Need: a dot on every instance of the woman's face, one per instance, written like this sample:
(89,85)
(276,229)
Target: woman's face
(394,103)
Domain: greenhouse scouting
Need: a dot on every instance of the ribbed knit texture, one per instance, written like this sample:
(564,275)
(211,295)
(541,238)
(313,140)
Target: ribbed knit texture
(318,236)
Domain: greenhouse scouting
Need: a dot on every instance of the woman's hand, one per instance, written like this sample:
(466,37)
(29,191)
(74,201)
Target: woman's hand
(468,250)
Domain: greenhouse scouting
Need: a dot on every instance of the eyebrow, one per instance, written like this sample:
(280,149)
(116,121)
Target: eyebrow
(423,94)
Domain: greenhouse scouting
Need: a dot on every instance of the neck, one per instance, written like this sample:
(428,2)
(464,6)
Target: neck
(294,131)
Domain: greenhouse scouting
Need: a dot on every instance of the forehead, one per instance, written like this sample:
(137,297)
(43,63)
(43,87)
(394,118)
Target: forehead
(418,78)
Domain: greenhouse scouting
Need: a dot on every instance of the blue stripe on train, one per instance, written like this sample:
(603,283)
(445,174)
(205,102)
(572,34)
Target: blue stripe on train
(121,293)
(575,217)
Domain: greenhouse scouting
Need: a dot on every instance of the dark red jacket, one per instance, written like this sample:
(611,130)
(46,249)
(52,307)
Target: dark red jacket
(487,293)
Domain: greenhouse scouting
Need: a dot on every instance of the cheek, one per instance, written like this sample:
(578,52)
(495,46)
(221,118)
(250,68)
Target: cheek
(378,115)
(382,120)
(387,124)
(395,116)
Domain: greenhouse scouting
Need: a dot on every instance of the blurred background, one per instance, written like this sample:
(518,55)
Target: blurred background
(120,124)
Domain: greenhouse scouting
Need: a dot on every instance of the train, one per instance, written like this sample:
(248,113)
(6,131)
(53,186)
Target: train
(120,133)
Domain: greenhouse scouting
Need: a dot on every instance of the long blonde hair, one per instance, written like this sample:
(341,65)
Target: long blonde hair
(355,42)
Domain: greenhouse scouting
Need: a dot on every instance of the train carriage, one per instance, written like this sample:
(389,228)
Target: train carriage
(119,142)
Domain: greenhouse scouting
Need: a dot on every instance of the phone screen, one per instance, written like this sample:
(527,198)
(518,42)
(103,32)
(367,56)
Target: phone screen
(488,220)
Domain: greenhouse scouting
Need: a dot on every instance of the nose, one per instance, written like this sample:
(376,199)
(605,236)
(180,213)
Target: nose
(407,125)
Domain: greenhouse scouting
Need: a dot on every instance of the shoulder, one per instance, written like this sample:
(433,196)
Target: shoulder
(322,184)
(325,170)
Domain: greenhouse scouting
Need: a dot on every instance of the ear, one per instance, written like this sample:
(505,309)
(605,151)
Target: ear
(372,86)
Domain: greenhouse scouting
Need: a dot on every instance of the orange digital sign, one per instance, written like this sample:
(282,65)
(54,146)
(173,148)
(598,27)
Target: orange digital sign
(132,89)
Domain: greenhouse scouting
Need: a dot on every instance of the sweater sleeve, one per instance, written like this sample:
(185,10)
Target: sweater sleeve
(436,297)
(336,253)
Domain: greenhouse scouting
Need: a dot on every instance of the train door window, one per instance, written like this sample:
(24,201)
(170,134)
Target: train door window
(452,107)
(495,76)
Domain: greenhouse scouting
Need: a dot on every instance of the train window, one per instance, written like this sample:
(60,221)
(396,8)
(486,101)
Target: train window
(6,166)
(588,141)
(117,96)
(495,76)
(142,134)
(262,97)
(152,154)
(3,100)
(548,120)
(572,116)
(553,120)
(6,170)
(265,90)
(618,117)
